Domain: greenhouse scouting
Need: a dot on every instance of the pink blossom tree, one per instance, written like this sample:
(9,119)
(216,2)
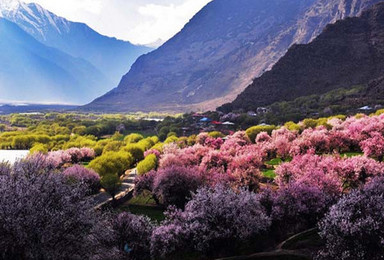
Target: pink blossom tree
(354,227)
(44,217)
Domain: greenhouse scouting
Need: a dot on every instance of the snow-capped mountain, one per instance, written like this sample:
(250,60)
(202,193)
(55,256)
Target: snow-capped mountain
(113,57)
(32,72)
(34,19)
(109,56)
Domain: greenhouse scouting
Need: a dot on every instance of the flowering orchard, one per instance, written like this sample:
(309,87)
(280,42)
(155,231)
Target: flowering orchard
(222,196)
(319,164)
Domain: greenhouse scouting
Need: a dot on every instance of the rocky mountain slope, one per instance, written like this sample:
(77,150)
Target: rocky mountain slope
(31,71)
(348,53)
(220,51)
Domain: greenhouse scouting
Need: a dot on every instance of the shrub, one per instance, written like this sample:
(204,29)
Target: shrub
(311,139)
(374,146)
(171,139)
(133,235)
(99,147)
(354,227)
(332,174)
(216,161)
(147,165)
(215,222)
(152,151)
(44,217)
(39,148)
(146,144)
(191,140)
(356,171)
(158,146)
(133,138)
(171,134)
(79,174)
(145,183)
(310,123)
(112,163)
(174,185)
(313,170)
(113,146)
(252,132)
(75,154)
(111,183)
(292,126)
(299,207)
(235,142)
(216,134)
(136,151)
(200,138)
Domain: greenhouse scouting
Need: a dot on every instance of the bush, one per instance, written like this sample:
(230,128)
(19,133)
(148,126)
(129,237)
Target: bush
(136,151)
(146,144)
(133,138)
(152,151)
(216,222)
(147,165)
(216,134)
(44,217)
(79,174)
(310,123)
(111,183)
(174,185)
(299,207)
(354,227)
(171,134)
(171,139)
(133,234)
(112,163)
(39,148)
(113,146)
(252,132)
(292,126)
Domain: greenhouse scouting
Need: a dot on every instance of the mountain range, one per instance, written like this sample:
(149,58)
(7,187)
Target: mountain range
(220,51)
(348,53)
(46,58)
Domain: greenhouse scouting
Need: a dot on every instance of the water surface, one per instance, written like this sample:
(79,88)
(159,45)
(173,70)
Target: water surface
(12,155)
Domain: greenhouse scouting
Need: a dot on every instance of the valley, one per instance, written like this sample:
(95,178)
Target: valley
(255,132)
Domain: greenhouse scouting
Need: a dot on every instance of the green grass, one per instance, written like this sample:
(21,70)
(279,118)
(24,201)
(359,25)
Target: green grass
(274,162)
(351,154)
(154,213)
(142,200)
(144,205)
(270,174)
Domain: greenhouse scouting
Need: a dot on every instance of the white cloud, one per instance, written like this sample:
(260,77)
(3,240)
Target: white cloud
(139,21)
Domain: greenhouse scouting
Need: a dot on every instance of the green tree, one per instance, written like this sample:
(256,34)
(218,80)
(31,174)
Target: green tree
(253,131)
(112,162)
(111,183)
(147,165)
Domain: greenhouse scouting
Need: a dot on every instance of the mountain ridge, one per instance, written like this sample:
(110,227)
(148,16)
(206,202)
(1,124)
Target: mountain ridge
(29,70)
(219,53)
(347,53)
(111,56)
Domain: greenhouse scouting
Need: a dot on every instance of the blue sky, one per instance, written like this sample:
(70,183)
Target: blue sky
(139,21)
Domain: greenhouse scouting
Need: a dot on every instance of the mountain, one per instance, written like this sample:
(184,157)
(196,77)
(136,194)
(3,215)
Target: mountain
(31,71)
(220,51)
(348,53)
(111,56)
